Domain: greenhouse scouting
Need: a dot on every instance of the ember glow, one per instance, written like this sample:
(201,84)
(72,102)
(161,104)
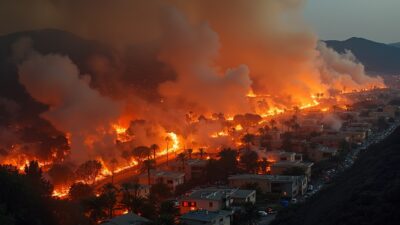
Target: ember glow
(204,83)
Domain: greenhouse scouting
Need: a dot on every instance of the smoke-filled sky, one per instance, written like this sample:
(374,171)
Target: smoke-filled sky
(377,20)
(216,52)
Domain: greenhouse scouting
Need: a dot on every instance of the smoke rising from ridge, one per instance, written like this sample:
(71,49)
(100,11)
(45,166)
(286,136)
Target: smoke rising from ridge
(216,51)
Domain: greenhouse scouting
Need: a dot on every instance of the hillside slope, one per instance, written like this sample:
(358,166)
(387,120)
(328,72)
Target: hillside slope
(376,57)
(367,194)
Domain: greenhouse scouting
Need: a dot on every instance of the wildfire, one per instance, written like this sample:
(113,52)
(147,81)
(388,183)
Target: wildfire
(220,134)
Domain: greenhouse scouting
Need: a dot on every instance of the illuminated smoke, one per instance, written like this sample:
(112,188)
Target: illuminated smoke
(199,56)
(74,107)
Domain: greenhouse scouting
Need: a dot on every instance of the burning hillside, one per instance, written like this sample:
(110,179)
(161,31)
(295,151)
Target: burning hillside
(206,77)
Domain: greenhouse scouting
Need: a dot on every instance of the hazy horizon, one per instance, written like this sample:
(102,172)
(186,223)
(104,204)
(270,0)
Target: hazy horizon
(343,19)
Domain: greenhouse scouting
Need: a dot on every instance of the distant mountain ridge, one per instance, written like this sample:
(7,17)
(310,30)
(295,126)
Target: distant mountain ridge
(378,58)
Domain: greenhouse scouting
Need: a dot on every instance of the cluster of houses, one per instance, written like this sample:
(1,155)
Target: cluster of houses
(318,137)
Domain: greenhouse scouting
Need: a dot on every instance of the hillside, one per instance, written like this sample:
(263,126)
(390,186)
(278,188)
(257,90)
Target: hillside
(377,57)
(367,194)
(396,44)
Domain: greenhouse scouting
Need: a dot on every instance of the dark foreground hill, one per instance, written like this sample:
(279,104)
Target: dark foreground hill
(366,194)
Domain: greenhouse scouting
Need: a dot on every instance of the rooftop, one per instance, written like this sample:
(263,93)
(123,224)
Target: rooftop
(292,164)
(219,193)
(204,215)
(164,173)
(271,178)
(126,219)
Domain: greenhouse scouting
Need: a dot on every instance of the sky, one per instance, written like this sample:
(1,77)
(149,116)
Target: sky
(377,20)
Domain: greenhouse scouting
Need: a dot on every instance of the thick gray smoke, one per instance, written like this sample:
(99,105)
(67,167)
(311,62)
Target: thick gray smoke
(218,50)
(74,107)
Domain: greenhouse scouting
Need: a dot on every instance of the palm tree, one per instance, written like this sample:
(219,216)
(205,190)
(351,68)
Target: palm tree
(147,166)
(189,152)
(154,147)
(131,198)
(109,196)
(201,152)
(141,151)
(182,158)
(167,139)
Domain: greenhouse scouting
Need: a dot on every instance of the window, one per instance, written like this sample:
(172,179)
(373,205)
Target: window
(185,204)
(210,204)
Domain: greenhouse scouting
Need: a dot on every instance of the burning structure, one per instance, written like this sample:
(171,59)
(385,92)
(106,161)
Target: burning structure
(199,76)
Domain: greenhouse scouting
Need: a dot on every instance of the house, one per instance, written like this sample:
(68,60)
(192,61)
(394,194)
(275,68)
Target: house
(279,168)
(355,135)
(214,199)
(195,168)
(310,125)
(126,219)
(290,186)
(204,217)
(330,140)
(170,178)
(276,156)
(321,153)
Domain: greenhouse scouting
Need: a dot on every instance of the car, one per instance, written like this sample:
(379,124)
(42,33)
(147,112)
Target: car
(262,213)
(271,211)
(293,201)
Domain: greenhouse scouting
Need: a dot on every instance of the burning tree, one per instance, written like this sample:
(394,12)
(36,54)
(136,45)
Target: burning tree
(89,170)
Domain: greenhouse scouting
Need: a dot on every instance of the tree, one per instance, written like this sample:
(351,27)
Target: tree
(141,152)
(146,167)
(248,139)
(182,157)
(131,198)
(80,191)
(95,209)
(34,175)
(201,152)
(154,147)
(250,215)
(228,162)
(109,197)
(189,152)
(249,160)
(61,174)
(263,165)
(160,191)
(167,140)
(89,170)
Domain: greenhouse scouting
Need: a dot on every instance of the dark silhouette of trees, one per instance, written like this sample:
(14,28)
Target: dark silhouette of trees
(249,161)
(141,152)
(131,197)
(89,170)
(146,167)
(263,165)
(154,148)
(182,158)
(201,153)
(61,174)
(228,161)
(80,192)
(248,139)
